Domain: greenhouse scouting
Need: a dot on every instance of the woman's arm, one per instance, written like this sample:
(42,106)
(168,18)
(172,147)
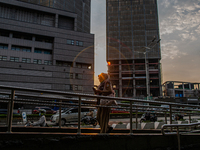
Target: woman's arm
(104,92)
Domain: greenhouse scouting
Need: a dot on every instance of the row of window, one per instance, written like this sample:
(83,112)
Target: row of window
(26,36)
(3,46)
(38,38)
(19,48)
(70,87)
(26,60)
(71,42)
(25,49)
(46,62)
(85,66)
(71,76)
(70,64)
(40,51)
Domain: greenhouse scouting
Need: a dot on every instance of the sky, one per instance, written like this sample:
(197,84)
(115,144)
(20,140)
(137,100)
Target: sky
(179,24)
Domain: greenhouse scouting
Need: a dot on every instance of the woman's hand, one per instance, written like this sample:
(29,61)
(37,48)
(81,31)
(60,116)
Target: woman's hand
(98,92)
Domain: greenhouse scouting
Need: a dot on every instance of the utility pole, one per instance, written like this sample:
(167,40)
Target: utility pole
(146,64)
(147,75)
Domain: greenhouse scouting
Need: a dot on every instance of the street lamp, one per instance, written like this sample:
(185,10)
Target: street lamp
(146,66)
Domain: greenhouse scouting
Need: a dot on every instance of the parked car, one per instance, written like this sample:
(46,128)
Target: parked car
(148,117)
(69,115)
(48,110)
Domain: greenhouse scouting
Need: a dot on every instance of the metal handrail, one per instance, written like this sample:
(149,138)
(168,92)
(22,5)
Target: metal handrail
(94,96)
(178,133)
(79,102)
(178,126)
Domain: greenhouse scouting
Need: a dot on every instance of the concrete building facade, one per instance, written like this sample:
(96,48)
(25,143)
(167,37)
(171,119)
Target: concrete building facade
(80,7)
(181,92)
(133,49)
(44,47)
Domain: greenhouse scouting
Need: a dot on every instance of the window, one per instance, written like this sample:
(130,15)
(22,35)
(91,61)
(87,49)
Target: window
(47,52)
(3,57)
(40,51)
(16,59)
(78,76)
(15,48)
(69,87)
(44,39)
(20,35)
(3,46)
(78,87)
(78,65)
(26,49)
(74,110)
(26,60)
(37,51)
(69,75)
(64,63)
(85,66)
(20,48)
(70,42)
(4,33)
(48,62)
(79,43)
(37,61)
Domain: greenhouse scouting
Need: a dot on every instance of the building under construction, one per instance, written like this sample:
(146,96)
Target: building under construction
(133,49)
(181,92)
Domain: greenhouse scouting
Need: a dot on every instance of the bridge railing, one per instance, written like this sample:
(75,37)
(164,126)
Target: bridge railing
(46,97)
(178,126)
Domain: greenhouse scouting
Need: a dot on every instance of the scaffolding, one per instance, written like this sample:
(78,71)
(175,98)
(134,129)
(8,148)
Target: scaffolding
(131,26)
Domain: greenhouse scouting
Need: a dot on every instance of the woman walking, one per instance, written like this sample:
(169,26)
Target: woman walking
(103,113)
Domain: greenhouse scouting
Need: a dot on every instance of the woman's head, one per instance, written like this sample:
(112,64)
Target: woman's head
(102,77)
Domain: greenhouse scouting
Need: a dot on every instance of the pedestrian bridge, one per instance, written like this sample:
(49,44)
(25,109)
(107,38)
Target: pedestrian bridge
(171,136)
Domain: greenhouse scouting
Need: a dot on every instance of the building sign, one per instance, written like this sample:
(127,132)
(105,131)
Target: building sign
(24,117)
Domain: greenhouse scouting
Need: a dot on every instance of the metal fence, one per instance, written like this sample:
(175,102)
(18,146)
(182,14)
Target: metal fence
(46,97)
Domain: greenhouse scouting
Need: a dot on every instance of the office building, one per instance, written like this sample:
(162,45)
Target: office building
(46,46)
(133,50)
(80,7)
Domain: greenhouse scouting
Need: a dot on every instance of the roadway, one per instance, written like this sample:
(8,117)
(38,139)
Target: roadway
(111,122)
(125,120)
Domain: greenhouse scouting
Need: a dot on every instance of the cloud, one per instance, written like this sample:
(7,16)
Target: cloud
(180,25)
(184,16)
(170,50)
